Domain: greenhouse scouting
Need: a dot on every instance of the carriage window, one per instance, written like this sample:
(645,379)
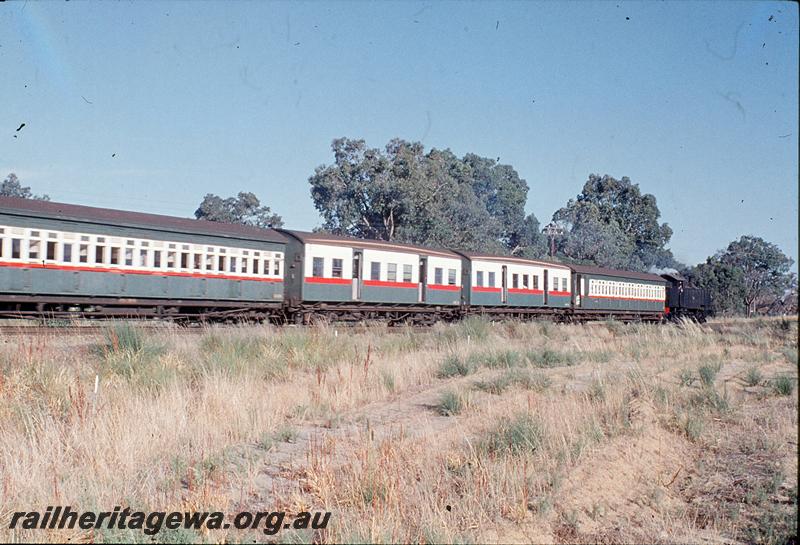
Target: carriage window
(451,277)
(407,273)
(221,263)
(143,258)
(318,267)
(479,279)
(114,256)
(16,245)
(491,279)
(244,264)
(256,263)
(563,284)
(375,270)
(209,262)
(525,281)
(391,272)
(129,257)
(438,275)
(536,281)
(157,259)
(99,254)
(198,261)
(83,253)
(34,248)
(51,249)
(232,263)
(184,260)
(67,253)
(277,270)
(514,281)
(336,269)
(266,267)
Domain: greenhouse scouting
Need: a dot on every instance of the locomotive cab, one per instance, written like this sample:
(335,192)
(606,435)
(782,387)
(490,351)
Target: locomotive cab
(683,300)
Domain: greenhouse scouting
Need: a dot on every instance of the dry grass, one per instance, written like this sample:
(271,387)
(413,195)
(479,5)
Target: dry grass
(475,432)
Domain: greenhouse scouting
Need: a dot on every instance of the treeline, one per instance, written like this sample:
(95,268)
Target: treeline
(404,193)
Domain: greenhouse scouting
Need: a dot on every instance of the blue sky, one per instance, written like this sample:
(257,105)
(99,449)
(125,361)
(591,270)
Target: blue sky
(149,105)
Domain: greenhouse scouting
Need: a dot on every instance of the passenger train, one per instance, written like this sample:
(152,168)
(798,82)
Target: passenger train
(64,260)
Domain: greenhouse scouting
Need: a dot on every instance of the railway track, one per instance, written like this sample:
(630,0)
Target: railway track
(192,329)
(43,330)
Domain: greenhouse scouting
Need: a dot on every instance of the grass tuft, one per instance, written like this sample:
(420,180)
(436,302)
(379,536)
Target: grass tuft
(521,434)
(549,358)
(450,403)
(708,373)
(783,385)
(686,377)
(753,377)
(453,366)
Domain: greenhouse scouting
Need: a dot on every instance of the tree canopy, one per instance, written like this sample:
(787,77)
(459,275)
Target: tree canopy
(244,209)
(750,272)
(612,223)
(402,193)
(11,187)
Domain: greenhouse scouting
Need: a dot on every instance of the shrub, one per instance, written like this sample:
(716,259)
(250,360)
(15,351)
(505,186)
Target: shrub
(710,398)
(692,426)
(753,377)
(783,385)
(530,381)
(475,328)
(495,386)
(549,358)
(455,366)
(519,435)
(124,338)
(708,373)
(687,377)
(515,377)
(507,358)
(285,435)
(450,403)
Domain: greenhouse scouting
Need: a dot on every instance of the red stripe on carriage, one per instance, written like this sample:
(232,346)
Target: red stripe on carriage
(114,270)
(444,287)
(560,293)
(386,284)
(321,280)
(525,291)
(485,289)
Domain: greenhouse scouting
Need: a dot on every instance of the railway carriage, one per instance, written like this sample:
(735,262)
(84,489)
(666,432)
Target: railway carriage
(356,278)
(610,292)
(60,258)
(67,260)
(514,283)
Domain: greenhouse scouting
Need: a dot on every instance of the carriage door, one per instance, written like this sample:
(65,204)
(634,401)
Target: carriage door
(358,258)
(423,279)
(504,284)
(577,290)
(545,287)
